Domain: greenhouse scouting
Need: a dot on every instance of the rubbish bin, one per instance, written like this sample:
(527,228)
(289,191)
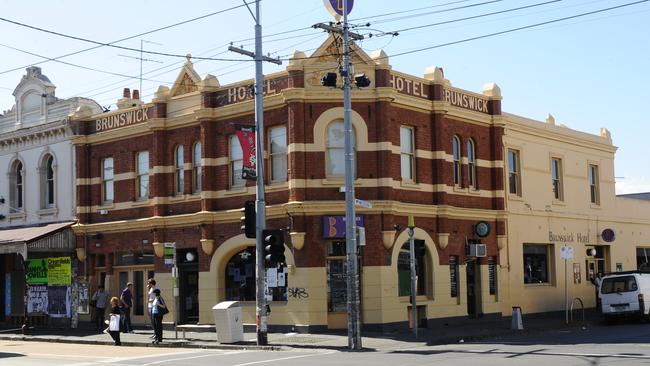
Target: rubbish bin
(228,321)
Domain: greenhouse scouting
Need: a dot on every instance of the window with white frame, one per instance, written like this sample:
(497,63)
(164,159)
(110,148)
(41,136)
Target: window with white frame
(471,164)
(455,142)
(47,183)
(335,158)
(537,264)
(196,168)
(236,163)
(514,173)
(142,175)
(179,170)
(407,153)
(594,189)
(107,180)
(278,153)
(556,178)
(16,186)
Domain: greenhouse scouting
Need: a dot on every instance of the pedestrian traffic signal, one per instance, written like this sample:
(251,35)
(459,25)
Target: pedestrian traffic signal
(273,241)
(248,220)
(361,80)
(329,79)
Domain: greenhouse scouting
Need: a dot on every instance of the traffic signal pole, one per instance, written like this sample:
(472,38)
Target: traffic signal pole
(260,218)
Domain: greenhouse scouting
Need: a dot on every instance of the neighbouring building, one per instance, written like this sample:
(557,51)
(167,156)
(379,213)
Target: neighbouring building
(169,173)
(38,205)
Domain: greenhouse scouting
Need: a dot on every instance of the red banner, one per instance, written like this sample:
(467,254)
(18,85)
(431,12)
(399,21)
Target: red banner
(246,135)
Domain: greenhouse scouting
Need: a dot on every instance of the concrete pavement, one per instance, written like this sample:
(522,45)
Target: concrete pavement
(456,331)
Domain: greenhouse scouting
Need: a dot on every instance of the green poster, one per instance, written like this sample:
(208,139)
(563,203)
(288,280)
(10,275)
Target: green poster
(37,271)
(59,271)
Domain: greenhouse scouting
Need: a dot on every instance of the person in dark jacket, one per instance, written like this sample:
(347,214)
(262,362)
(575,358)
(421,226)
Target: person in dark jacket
(115,310)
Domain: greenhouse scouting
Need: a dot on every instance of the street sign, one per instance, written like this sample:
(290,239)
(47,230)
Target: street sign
(362,203)
(169,253)
(335,7)
(566,252)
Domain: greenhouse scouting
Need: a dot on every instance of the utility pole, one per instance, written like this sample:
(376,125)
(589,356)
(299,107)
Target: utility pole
(353,302)
(414,307)
(260,217)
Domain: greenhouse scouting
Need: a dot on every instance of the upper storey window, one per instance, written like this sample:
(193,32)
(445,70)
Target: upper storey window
(47,182)
(471,164)
(455,142)
(514,173)
(556,179)
(196,168)
(278,153)
(236,163)
(17,186)
(142,175)
(594,187)
(179,170)
(107,180)
(407,153)
(335,159)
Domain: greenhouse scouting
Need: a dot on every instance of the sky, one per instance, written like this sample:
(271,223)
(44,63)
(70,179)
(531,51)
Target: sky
(588,71)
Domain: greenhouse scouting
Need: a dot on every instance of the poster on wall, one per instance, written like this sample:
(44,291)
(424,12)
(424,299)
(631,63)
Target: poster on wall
(58,301)
(37,299)
(59,271)
(37,271)
(83,307)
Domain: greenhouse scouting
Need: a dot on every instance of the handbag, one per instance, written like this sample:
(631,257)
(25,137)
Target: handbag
(164,310)
(114,323)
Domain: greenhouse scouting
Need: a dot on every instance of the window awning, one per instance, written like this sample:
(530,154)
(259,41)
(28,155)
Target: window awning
(17,240)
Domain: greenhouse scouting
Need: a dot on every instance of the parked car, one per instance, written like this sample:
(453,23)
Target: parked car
(624,294)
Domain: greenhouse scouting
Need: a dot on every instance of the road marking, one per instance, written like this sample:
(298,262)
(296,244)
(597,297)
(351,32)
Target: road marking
(282,359)
(189,358)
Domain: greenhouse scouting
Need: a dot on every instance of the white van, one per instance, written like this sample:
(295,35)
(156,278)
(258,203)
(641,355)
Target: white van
(624,293)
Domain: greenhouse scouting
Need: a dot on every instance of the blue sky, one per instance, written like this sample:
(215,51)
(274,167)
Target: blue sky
(588,72)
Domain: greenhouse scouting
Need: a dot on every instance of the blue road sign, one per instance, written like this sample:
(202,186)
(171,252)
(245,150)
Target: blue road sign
(335,7)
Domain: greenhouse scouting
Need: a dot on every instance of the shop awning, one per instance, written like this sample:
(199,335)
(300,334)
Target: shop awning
(18,240)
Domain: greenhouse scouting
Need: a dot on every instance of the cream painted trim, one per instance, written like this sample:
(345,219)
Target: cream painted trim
(215,161)
(162,169)
(123,176)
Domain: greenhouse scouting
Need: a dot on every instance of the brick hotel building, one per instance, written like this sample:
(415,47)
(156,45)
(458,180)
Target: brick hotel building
(169,171)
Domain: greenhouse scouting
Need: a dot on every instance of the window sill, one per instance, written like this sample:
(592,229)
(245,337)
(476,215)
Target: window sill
(141,203)
(17,216)
(533,285)
(419,298)
(51,211)
(557,202)
(410,184)
(515,197)
(232,191)
(178,198)
(277,186)
(595,206)
(106,205)
(459,189)
(474,191)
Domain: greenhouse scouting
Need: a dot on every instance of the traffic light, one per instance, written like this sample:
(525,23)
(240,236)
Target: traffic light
(273,246)
(329,79)
(361,80)
(248,220)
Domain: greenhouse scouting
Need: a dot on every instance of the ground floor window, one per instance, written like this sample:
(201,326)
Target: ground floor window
(643,258)
(404,269)
(536,263)
(337,288)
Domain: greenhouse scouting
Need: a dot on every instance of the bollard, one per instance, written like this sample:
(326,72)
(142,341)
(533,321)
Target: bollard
(517,323)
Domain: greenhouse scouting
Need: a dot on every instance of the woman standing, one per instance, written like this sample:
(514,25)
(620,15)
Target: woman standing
(158,310)
(115,311)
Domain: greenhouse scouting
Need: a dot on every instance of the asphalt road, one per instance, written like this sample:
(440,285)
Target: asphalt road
(623,344)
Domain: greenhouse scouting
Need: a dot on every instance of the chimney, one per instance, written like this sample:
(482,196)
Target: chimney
(126,93)
(136,94)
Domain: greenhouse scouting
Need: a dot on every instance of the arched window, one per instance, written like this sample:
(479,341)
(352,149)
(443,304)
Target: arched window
(456,151)
(422,270)
(471,164)
(335,161)
(47,183)
(16,189)
(240,278)
(179,171)
(236,163)
(196,168)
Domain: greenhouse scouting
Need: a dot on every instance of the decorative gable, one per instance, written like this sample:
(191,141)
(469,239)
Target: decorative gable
(187,80)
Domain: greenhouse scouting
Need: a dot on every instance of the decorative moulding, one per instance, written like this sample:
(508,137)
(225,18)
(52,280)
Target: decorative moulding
(297,240)
(501,241)
(81,254)
(443,240)
(207,245)
(159,249)
(388,237)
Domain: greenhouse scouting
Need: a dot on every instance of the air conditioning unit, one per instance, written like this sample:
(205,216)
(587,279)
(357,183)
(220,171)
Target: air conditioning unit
(477,250)
(103,212)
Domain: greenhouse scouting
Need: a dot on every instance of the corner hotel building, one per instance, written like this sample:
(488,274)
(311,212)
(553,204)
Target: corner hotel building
(495,196)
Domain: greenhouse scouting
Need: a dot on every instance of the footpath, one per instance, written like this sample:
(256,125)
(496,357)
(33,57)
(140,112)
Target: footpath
(465,330)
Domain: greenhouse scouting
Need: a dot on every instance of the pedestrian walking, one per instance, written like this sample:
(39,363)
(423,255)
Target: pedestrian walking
(126,299)
(114,322)
(158,310)
(100,299)
(151,285)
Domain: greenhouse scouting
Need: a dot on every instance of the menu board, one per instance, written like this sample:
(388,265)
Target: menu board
(453,275)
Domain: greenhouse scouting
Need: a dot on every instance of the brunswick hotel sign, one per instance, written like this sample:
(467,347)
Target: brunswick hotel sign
(123,119)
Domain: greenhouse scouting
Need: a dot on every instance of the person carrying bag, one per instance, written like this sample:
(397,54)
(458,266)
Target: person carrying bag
(114,321)
(158,310)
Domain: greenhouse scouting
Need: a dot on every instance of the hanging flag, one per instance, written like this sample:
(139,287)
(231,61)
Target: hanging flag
(246,135)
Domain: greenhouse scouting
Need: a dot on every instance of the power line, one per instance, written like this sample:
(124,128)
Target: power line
(437,11)
(123,39)
(408,11)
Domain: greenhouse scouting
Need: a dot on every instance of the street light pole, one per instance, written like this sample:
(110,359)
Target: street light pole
(354,325)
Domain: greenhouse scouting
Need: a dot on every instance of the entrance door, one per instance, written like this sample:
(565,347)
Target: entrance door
(473,269)
(189,296)
(139,279)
